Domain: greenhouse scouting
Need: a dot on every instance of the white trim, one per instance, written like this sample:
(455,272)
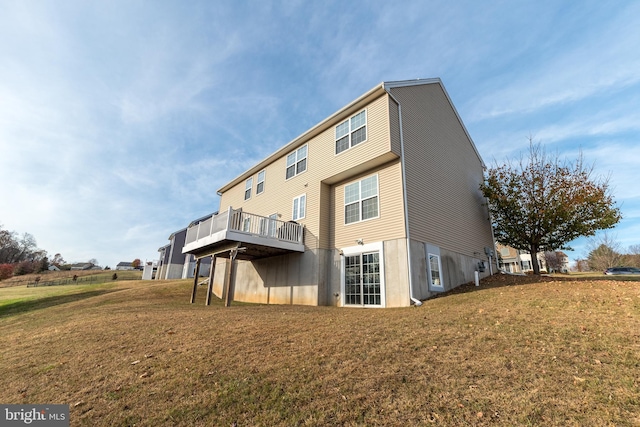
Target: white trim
(295,164)
(350,131)
(358,250)
(249,183)
(359,182)
(293,204)
(258,182)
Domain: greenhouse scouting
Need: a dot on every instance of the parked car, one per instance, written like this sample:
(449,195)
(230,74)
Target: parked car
(622,270)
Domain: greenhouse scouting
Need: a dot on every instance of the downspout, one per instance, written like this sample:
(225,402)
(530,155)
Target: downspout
(415,300)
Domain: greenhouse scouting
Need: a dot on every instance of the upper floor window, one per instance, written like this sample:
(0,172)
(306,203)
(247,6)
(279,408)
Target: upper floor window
(297,162)
(351,132)
(247,188)
(260,186)
(299,207)
(361,200)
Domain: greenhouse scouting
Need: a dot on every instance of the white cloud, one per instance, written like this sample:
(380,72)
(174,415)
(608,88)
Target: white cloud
(606,60)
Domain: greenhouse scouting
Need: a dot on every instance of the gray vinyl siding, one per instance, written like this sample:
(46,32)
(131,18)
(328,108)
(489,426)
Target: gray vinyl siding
(324,168)
(177,243)
(443,173)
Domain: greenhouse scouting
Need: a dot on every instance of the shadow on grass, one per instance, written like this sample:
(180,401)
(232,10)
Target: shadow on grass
(502,280)
(25,306)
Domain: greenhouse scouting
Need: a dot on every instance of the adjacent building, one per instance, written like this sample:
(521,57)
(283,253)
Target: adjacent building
(172,263)
(378,205)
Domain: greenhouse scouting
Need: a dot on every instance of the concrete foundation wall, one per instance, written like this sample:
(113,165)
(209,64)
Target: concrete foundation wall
(457,269)
(396,273)
(161,272)
(287,279)
(173,271)
(314,277)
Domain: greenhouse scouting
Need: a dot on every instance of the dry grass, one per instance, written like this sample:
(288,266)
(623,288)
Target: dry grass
(550,352)
(57,276)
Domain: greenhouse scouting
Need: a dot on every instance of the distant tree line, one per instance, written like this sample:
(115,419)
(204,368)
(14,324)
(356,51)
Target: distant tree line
(605,252)
(19,254)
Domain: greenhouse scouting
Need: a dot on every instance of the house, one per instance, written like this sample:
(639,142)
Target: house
(124,266)
(509,259)
(515,261)
(378,205)
(173,264)
(81,266)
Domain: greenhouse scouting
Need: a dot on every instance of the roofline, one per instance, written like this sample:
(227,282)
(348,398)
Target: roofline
(374,93)
(405,83)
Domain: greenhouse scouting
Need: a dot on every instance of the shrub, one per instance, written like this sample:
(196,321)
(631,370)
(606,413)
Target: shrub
(25,267)
(114,277)
(6,271)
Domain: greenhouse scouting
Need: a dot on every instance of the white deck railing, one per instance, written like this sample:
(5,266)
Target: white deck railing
(247,223)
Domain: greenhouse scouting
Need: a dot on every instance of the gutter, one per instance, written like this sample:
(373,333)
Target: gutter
(415,300)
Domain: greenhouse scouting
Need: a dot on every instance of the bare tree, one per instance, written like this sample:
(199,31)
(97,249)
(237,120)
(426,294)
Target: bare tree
(604,252)
(554,261)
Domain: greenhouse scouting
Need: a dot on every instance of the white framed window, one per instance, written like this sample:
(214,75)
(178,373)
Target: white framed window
(435,267)
(361,200)
(362,276)
(299,207)
(435,274)
(297,162)
(351,132)
(247,188)
(260,184)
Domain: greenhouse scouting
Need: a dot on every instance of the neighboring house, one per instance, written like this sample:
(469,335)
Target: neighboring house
(124,266)
(173,264)
(564,261)
(82,266)
(509,259)
(53,268)
(376,206)
(515,261)
(163,261)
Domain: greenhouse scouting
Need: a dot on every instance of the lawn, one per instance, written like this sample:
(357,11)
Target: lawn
(514,351)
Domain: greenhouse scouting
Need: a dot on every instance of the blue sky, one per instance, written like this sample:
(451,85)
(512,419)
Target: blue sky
(119,120)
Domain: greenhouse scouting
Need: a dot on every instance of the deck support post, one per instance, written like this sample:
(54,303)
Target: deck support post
(228,287)
(195,281)
(210,285)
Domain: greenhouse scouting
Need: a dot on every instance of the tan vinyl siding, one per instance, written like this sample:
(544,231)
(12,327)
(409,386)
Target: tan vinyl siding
(443,173)
(322,165)
(390,223)
(394,127)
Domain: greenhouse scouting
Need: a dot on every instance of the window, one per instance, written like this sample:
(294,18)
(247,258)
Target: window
(268,225)
(362,279)
(351,132)
(260,186)
(297,162)
(299,207)
(361,200)
(247,188)
(434,270)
